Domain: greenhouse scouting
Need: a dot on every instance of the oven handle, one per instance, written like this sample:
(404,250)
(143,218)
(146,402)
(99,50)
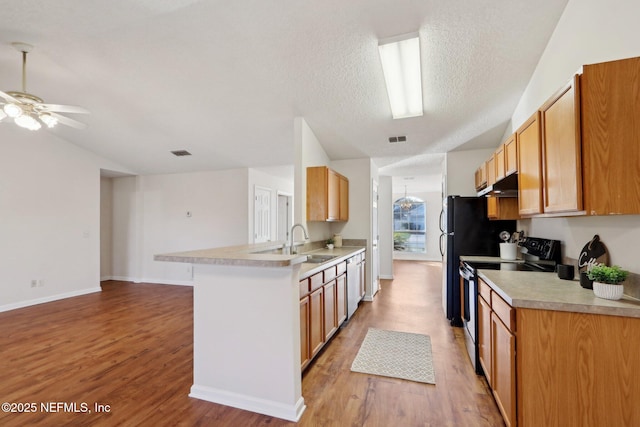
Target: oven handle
(465,273)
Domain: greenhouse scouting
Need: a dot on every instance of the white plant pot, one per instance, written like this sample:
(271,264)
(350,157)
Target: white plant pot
(607,291)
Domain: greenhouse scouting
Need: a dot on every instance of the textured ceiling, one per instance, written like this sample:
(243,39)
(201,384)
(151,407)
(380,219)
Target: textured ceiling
(224,79)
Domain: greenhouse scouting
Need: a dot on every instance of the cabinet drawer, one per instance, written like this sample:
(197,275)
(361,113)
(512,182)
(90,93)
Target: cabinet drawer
(315,282)
(329,274)
(504,311)
(484,290)
(304,287)
(342,268)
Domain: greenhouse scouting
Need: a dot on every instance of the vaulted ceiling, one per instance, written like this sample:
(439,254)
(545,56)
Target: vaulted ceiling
(224,79)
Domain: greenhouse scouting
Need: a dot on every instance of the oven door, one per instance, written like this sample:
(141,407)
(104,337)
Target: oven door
(468,293)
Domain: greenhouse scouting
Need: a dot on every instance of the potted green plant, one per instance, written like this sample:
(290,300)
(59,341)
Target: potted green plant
(607,281)
(330,243)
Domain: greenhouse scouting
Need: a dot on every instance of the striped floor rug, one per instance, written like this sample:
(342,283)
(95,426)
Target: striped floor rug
(396,354)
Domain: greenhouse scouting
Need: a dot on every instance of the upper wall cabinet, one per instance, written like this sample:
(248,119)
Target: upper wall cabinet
(610,107)
(561,159)
(529,166)
(327,195)
(510,156)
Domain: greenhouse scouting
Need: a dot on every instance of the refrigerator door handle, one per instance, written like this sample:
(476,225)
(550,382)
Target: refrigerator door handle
(441,248)
(440,220)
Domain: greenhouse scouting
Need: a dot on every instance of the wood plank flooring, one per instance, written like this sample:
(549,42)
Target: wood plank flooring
(130,347)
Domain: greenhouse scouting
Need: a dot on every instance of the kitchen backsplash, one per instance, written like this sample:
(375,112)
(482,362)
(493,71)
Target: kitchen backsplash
(631,285)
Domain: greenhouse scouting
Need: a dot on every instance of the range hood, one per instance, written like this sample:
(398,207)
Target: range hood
(506,187)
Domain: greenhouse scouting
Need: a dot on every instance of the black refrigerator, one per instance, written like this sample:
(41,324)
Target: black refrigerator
(466,230)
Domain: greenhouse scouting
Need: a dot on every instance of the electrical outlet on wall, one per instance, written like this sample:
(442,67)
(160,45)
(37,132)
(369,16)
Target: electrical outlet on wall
(34,283)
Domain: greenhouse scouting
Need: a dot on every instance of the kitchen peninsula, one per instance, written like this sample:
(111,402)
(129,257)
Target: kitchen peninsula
(247,325)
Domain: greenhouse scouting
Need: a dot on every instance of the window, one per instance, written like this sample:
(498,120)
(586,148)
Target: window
(409,225)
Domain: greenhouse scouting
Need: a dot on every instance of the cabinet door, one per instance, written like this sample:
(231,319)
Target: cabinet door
(317,193)
(316,320)
(499,156)
(492,207)
(561,152)
(330,323)
(344,198)
(484,337)
(511,155)
(305,350)
(491,170)
(504,369)
(529,166)
(341,299)
(334,196)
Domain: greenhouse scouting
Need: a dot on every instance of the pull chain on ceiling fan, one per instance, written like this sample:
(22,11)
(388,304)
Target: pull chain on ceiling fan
(29,111)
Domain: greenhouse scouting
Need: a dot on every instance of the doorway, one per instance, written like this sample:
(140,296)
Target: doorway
(285,216)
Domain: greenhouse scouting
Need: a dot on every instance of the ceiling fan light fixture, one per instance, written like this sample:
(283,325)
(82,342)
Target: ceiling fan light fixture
(27,122)
(2,115)
(400,57)
(48,120)
(12,110)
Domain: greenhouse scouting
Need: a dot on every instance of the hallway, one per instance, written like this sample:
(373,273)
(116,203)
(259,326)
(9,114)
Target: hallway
(130,347)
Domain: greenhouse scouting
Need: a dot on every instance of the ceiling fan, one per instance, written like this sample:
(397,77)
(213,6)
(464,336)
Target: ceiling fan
(29,111)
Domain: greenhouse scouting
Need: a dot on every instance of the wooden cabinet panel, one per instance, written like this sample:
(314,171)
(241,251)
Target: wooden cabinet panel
(484,337)
(305,350)
(344,199)
(330,323)
(484,290)
(529,166)
(491,170)
(327,195)
(504,369)
(561,152)
(504,311)
(502,208)
(610,137)
(511,155)
(329,273)
(481,177)
(315,281)
(341,299)
(500,162)
(333,196)
(304,287)
(316,321)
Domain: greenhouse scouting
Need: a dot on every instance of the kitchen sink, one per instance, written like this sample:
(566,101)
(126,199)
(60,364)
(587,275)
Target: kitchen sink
(319,259)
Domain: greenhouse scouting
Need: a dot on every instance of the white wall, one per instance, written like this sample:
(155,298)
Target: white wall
(460,168)
(49,217)
(589,31)
(150,217)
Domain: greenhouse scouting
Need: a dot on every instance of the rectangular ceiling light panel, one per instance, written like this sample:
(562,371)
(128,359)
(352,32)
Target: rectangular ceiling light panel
(400,58)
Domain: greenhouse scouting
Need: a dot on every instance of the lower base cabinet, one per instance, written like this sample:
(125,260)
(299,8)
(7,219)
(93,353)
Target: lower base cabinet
(323,308)
(559,368)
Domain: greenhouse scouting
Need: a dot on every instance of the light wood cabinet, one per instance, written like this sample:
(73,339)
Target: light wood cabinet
(327,195)
(561,152)
(511,155)
(500,162)
(305,351)
(502,208)
(491,170)
(611,137)
(323,308)
(481,176)
(529,166)
(316,321)
(497,349)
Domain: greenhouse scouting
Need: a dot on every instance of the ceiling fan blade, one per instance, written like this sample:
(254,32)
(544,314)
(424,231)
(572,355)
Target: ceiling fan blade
(9,98)
(62,108)
(69,122)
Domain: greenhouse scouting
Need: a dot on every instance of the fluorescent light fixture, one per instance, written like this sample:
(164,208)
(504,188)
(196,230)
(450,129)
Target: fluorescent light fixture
(400,58)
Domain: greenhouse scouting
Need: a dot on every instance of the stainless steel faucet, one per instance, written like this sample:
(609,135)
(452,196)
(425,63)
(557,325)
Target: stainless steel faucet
(306,237)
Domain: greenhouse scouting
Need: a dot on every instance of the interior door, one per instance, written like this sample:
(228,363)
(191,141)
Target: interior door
(284,216)
(375,237)
(262,215)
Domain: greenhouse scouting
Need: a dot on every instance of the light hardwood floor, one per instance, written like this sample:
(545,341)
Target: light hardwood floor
(130,347)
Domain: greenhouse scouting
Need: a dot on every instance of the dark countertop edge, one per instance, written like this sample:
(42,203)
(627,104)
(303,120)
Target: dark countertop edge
(608,307)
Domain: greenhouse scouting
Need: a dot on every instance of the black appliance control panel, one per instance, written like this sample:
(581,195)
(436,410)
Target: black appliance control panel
(545,249)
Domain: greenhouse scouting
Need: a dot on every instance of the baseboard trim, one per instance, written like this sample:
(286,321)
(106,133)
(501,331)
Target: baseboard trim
(51,298)
(147,280)
(250,403)
(386,277)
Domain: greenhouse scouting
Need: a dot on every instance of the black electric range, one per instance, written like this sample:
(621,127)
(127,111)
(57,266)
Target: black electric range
(540,255)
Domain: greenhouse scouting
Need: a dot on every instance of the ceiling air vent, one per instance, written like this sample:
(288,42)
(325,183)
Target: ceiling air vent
(181,153)
(397,139)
